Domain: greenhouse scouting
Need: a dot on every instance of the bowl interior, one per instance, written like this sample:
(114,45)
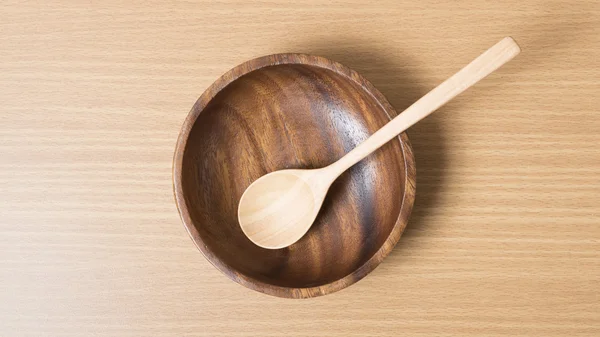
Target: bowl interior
(281,117)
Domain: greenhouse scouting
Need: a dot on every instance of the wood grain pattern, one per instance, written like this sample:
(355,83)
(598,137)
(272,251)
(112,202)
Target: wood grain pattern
(504,236)
(293,111)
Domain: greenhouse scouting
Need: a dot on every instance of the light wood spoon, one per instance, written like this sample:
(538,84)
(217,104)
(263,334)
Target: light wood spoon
(278,209)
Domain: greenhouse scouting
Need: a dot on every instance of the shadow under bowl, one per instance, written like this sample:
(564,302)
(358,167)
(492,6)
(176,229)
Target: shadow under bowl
(293,111)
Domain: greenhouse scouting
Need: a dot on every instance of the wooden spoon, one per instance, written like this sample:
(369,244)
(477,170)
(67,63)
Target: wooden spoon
(278,209)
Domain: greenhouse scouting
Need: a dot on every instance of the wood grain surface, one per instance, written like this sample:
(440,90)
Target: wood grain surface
(504,239)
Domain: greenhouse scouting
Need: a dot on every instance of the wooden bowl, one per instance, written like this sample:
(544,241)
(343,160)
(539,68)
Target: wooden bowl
(292,111)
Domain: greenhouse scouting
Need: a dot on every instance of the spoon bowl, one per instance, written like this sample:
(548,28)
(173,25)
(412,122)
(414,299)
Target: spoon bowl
(296,191)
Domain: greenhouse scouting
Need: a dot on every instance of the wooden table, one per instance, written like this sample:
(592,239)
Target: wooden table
(504,238)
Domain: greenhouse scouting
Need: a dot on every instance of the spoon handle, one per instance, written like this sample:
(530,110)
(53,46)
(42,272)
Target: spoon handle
(479,68)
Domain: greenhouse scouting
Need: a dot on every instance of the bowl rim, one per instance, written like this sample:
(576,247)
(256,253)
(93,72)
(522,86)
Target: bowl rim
(249,282)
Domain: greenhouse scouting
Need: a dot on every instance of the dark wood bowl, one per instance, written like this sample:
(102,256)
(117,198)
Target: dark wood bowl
(292,111)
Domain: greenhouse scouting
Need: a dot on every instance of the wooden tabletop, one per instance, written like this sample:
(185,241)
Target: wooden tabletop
(504,238)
